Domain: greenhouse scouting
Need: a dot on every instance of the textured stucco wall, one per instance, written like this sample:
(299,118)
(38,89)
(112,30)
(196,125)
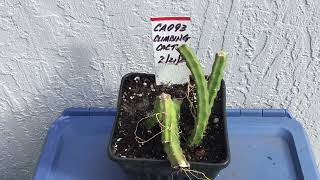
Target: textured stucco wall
(57,54)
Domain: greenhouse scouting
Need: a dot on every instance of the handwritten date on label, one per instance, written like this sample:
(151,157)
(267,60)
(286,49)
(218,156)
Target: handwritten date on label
(169,59)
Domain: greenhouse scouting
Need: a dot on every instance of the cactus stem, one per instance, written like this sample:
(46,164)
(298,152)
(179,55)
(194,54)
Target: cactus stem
(206,90)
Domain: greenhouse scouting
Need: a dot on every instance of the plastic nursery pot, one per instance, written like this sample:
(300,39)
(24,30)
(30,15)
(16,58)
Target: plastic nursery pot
(137,94)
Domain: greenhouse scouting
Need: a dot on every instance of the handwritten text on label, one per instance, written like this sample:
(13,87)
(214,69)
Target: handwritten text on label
(168,33)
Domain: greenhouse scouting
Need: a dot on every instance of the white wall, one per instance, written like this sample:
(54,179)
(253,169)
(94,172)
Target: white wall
(57,54)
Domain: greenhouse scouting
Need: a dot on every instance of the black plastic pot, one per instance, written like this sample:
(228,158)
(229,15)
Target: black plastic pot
(158,169)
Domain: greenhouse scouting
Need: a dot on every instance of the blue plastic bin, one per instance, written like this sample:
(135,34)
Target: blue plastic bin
(264,144)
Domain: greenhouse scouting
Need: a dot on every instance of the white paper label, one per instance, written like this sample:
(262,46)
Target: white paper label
(168,33)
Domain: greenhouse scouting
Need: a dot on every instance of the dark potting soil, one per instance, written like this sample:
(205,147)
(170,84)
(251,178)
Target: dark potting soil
(136,102)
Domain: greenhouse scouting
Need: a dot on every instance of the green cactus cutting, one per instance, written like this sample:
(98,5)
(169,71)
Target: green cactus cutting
(168,115)
(170,135)
(166,111)
(202,94)
(206,91)
(216,76)
(156,115)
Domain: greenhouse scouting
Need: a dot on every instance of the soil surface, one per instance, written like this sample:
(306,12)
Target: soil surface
(136,101)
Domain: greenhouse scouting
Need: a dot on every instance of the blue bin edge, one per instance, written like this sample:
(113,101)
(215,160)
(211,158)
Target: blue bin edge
(305,153)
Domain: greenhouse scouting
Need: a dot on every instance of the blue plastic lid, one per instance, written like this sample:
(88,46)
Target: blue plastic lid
(264,144)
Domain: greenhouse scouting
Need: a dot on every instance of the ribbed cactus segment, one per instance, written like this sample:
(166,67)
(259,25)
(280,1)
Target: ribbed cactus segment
(216,76)
(206,91)
(170,130)
(152,121)
(202,95)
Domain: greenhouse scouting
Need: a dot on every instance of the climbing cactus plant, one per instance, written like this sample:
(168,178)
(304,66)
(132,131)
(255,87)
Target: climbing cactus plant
(206,91)
(167,110)
(170,136)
